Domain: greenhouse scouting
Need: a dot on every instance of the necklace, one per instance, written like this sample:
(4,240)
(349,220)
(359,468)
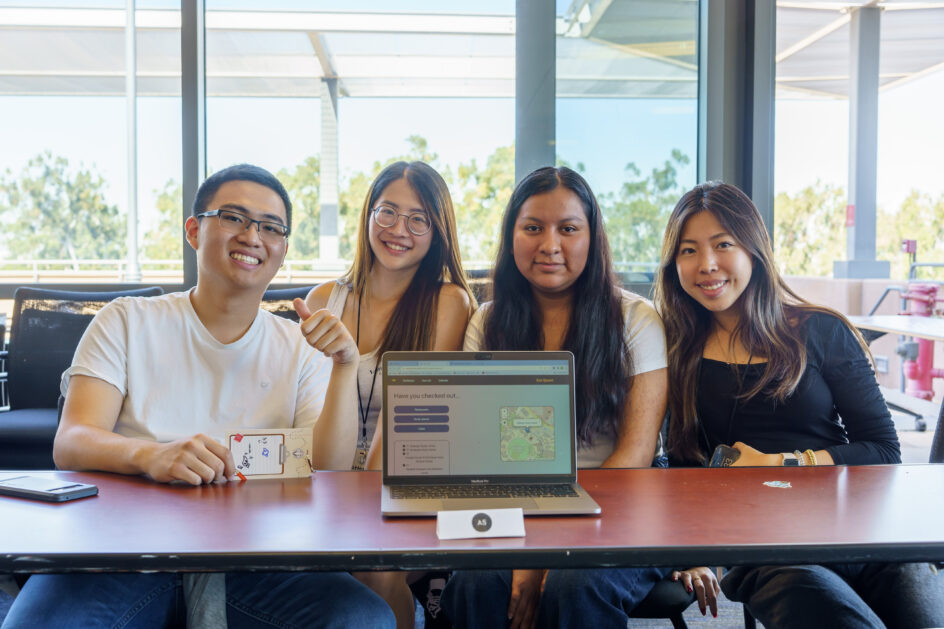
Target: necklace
(364,411)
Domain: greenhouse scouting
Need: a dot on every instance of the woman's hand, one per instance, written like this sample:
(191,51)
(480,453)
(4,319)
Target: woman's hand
(755,458)
(526,587)
(704,583)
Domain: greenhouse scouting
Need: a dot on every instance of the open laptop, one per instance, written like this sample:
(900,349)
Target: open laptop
(480,430)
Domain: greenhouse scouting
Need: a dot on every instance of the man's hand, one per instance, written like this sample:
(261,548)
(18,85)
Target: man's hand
(526,588)
(326,333)
(196,460)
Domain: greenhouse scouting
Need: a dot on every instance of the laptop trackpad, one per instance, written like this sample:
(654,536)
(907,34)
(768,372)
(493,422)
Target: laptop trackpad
(458,504)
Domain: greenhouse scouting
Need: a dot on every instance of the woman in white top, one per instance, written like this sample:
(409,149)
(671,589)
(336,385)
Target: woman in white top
(406,290)
(554,288)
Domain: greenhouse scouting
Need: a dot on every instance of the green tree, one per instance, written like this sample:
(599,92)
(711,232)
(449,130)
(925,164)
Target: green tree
(480,198)
(164,240)
(303,184)
(809,233)
(921,218)
(635,216)
(53,212)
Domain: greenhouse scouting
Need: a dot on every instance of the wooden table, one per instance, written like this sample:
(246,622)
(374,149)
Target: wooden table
(930,328)
(650,517)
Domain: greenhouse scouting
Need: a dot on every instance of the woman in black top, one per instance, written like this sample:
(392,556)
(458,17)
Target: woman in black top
(756,367)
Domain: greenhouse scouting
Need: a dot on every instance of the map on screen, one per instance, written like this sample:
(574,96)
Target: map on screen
(527,433)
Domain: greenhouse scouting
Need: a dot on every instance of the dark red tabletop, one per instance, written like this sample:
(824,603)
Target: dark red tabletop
(670,517)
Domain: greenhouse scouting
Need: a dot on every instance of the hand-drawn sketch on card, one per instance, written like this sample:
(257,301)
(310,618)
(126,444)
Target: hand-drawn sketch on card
(258,454)
(271,452)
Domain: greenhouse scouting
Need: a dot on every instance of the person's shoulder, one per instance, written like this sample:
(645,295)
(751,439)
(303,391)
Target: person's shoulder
(453,297)
(636,306)
(142,306)
(319,295)
(821,323)
(481,312)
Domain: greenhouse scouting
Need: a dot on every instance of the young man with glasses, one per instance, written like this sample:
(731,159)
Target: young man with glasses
(157,382)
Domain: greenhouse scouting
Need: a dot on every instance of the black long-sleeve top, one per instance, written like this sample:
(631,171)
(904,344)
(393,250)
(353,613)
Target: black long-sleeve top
(837,405)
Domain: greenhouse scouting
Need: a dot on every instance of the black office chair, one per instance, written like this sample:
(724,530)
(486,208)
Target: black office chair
(666,599)
(278,301)
(480,282)
(47,325)
(937,444)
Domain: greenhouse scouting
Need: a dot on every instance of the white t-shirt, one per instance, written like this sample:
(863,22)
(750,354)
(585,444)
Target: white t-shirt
(177,380)
(645,339)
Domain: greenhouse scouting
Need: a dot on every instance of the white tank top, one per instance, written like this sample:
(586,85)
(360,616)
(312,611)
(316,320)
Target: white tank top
(368,408)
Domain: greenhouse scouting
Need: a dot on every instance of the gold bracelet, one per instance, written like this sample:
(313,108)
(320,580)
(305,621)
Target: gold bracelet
(810,455)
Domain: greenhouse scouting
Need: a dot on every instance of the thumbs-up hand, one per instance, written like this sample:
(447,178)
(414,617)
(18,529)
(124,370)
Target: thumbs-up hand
(326,333)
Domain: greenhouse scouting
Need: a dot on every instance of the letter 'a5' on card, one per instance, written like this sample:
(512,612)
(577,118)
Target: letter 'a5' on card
(469,524)
(271,453)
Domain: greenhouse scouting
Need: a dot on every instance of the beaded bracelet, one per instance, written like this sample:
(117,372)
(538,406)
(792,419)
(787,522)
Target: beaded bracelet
(801,460)
(811,455)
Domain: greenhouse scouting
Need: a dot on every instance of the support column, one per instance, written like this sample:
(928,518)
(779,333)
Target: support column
(328,247)
(762,39)
(863,148)
(193,117)
(535,86)
(736,78)
(133,272)
(721,110)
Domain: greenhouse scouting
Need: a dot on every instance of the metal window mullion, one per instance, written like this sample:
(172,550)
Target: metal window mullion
(193,116)
(535,85)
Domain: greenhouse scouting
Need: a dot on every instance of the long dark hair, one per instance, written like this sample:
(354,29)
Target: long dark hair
(771,319)
(595,330)
(412,326)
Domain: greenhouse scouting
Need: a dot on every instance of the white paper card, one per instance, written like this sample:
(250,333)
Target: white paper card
(271,452)
(480,523)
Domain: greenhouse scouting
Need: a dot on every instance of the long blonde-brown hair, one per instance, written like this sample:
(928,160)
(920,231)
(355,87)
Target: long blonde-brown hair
(412,325)
(770,325)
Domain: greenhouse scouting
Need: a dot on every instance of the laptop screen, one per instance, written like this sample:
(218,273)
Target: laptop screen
(478,414)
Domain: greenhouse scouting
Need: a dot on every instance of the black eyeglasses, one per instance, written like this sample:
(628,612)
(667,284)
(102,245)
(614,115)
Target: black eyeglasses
(236,223)
(417,222)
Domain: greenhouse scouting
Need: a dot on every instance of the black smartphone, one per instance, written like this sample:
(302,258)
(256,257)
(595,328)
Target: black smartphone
(724,456)
(48,489)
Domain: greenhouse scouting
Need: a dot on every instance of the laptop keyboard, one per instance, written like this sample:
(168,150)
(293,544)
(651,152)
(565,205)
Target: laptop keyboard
(416,492)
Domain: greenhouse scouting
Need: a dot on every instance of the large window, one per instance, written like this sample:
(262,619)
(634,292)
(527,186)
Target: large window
(88,184)
(814,56)
(326,98)
(627,87)
(323,96)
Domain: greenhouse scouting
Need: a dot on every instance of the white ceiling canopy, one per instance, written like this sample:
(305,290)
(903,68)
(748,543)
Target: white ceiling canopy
(605,49)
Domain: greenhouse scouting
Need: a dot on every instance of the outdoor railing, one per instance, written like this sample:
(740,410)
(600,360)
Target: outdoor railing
(171,271)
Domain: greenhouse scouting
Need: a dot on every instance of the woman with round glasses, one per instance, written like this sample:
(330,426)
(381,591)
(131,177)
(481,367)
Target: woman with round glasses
(406,290)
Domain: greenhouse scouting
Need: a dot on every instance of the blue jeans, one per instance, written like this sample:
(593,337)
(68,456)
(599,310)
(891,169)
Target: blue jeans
(280,599)
(841,596)
(572,598)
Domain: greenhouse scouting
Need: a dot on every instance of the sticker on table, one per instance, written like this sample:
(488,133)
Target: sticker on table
(781,484)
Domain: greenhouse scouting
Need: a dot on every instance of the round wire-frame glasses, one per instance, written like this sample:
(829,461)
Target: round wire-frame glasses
(417,222)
